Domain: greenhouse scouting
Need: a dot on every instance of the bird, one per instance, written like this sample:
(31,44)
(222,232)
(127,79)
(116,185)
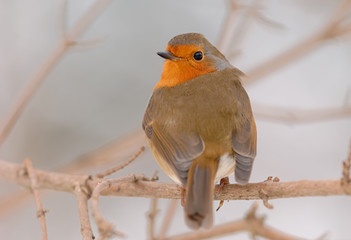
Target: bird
(199,123)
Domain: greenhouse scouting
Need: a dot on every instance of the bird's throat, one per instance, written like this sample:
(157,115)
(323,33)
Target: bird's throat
(178,72)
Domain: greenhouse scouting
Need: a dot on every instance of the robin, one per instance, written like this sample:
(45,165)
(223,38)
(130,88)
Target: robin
(199,123)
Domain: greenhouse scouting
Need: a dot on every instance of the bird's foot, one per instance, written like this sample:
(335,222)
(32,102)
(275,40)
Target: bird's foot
(182,193)
(222,183)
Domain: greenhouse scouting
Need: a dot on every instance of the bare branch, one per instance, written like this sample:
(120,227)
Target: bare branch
(120,148)
(141,186)
(225,37)
(264,196)
(168,218)
(106,229)
(123,165)
(71,37)
(251,224)
(85,227)
(151,215)
(294,115)
(149,189)
(34,186)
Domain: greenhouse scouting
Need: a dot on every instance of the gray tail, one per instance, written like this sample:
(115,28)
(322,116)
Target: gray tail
(199,194)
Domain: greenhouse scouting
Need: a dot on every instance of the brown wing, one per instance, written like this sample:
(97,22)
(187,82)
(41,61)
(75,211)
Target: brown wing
(244,145)
(177,149)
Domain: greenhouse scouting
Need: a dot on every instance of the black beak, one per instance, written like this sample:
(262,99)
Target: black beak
(168,55)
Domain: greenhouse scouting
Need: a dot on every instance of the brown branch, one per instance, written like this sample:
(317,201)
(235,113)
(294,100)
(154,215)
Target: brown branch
(82,198)
(250,223)
(70,38)
(123,165)
(151,215)
(65,182)
(168,218)
(35,189)
(106,229)
(140,186)
(250,191)
(293,115)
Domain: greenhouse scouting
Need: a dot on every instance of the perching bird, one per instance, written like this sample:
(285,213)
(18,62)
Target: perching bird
(199,123)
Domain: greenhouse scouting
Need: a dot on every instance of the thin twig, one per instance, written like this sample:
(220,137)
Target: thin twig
(166,223)
(250,223)
(225,37)
(294,115)
(120,148)
(85,227)
(264,196)
(121,166)
(106,229)
(70,38)
(241,29)
(35,189)
(151,216)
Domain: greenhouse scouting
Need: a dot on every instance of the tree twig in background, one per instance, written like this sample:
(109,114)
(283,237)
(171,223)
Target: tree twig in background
(70,38)
(151,217)
(224,40)
(123,165)
(111,152)
(251,223)
(236,25)
(336,27)
(35,189)
(294,115)
(85,227)
(106,229)
(166,223)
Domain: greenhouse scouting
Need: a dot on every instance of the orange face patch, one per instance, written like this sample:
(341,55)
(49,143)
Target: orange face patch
(186,68)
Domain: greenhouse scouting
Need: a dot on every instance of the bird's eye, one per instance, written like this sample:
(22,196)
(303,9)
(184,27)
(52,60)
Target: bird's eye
(198,56)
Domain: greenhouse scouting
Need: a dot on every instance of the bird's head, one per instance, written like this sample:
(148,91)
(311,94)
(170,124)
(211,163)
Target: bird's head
(188,56)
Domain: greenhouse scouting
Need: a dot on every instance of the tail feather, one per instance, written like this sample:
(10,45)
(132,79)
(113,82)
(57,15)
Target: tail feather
(199,194)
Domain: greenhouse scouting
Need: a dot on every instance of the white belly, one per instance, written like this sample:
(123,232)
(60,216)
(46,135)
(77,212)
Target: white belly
(226,167)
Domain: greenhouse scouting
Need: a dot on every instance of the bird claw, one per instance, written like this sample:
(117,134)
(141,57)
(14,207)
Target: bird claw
(222,183)
(182,193)
(220,205)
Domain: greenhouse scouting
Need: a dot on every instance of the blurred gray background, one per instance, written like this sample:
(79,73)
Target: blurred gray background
(99,90)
